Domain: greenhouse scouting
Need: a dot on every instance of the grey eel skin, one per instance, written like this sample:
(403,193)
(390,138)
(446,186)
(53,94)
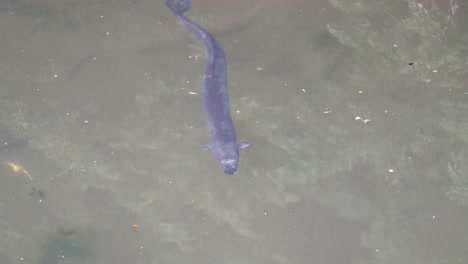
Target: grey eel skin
(215,95)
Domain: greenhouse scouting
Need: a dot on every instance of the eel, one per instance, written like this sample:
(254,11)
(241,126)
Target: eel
(215,97)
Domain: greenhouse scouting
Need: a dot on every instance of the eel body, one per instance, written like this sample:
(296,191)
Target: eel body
(215,95)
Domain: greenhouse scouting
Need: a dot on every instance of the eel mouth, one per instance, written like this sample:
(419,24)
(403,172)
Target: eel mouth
(229,166)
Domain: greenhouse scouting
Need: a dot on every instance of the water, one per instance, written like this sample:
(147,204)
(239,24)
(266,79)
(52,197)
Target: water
(356,155)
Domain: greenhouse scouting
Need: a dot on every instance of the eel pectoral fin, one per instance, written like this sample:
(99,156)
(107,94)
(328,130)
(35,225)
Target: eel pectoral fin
(208,147)
(243,144)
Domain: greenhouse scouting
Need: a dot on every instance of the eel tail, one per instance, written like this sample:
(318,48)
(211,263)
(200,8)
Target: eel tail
(178,6)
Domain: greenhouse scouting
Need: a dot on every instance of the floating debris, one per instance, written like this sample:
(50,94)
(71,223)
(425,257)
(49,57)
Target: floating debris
(365,121)
(18,169)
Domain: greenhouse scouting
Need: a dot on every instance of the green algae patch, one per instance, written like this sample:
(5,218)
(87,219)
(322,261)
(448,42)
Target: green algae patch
(68,243)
